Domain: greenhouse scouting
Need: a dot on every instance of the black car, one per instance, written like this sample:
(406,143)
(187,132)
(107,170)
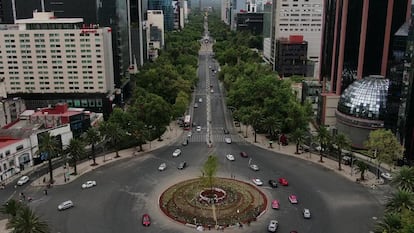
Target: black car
(226,131)
(273,183)
(182,165)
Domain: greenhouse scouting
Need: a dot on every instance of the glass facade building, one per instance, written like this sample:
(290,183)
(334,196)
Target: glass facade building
(167,7)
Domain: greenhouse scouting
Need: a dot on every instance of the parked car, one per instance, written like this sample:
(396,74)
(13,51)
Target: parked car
(272,227)
(273,183)
(182,165)
(162,167)
(257,181)
(275,204)
(293,199)
(195,105)
(23,180)
(386,175)
(306,213)
(230,157)
(146,220)
(283,181)
(176,153)
(243,154)
(89,184)
(65,205)
(254,167)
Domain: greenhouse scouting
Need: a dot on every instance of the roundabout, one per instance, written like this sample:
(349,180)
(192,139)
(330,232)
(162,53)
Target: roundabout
(227,202)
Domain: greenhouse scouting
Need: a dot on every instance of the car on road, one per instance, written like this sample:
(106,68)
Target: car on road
(386,175)
(146,220)
(162,167)
(275,204)
(254,167)
(227,140)
(273,183)
(230,157)
(176,153)
(257,181)
(243,154)
(198,129)
(283,181)
(196,105)
(272,227)
(182,165)
(89,184)
(200,100)
(65,205)
(306,213)
(185,142)
(212,91)
(226,131)
(190,134)
(293,199)
(23,180)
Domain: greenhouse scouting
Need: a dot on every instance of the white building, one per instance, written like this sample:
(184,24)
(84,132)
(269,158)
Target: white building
(299,17)
(45,54)
(155,33)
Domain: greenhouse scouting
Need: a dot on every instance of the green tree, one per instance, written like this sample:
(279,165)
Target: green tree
(26,221)
(404,178)
(49,147)
(323,138)
(385,147)
(75,152)
(113,134)
(342,142)
(209,170)
(92,138)
(11,208)
(390,223)
(157,112)
(137,127)
(362,167)
(298,136)
(401,200)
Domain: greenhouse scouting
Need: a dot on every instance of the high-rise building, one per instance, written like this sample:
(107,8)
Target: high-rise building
(155,33)
(167,7)
(298,17)
(108,13)
(50,60)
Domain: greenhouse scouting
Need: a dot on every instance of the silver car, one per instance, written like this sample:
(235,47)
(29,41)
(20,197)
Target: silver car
(162,167)
(65,205)
(273,224)
(254,167)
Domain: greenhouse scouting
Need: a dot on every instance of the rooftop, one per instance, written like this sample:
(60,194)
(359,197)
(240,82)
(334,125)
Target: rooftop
(47,17)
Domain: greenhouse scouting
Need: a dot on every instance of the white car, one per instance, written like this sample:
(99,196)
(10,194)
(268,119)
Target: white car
(23,180)
(257,181)
(306,213)
(227,140)
(198,129)
(254,167)
(230,157)
(189,134)
(200,100)
(176,153)
(212,91)
(162,167)
(386,175)
(65,205)
(89,184)
(273,224)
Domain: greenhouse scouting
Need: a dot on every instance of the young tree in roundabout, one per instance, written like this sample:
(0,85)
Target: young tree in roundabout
(22,219)
(208,175)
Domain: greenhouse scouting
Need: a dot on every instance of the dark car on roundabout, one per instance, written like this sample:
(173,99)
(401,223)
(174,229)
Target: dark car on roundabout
(273,183)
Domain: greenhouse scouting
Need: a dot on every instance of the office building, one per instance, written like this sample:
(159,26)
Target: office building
(46,60)
(291,56)
(155,33)
(252,22)
(298,17)
(166,6)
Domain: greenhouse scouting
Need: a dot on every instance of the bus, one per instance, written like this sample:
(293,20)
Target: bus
(187,122)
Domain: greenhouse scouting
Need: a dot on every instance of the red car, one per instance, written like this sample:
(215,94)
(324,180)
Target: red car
(243,154)
(146,220)
(275,204)
(283,182)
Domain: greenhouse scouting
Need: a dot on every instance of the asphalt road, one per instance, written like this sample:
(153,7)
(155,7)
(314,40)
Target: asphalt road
(129,188)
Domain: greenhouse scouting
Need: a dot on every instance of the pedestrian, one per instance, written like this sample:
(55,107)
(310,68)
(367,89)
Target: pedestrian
(45,192)
(44,179)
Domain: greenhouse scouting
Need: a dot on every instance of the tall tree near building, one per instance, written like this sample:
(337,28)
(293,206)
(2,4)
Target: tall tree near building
(298,136)
(48,147)
(323,138)
(342,142)
(75,151)
(26,221)
(404,178)
(92,138)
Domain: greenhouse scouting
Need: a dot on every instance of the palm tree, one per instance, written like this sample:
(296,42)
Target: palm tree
(342,142)
(323,139)
(75,151)
(11,208)
(26,221)
(113,134)
(92,138)
(49,146)
(362,168)
(401,200)
(404,178)
(391,222)
(298,136)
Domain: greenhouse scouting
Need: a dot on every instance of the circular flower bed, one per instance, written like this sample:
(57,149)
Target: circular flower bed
(227,202)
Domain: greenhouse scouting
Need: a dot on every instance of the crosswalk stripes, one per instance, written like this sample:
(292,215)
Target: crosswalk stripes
(216,138)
